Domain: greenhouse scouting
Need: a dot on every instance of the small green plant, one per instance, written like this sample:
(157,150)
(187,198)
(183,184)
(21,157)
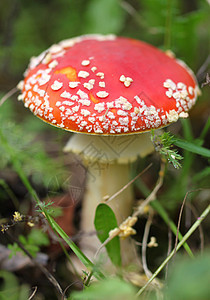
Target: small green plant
(163,144)
(110,288)
(11,289)
(42,166)
(32,243)
(190,279)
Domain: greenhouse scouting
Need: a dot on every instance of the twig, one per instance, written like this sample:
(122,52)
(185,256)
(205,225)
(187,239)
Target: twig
(201,71)
(180,216)
(33,294)
(128,184)
(169,249)
(152,195)
(144,246)
(133,13)
(179,222)
(70,285)
(200,227)
(128,8)
(105,243)
(207,82)
(186,236)
(203,67)
(7,95)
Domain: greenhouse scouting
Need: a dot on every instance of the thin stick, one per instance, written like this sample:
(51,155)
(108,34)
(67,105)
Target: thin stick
(33,294)
(105,243)
(180,216)
(7,95)
(186,236)
(201,233)
(133,12)
(203,67)
(129,183)
(169,249)
(152,195)
(144,246)
(179,222)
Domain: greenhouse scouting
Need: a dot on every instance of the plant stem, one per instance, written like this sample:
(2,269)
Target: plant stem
(186,236)
(162,212)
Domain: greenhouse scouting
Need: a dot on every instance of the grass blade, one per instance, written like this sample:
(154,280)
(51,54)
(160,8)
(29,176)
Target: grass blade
(191,147)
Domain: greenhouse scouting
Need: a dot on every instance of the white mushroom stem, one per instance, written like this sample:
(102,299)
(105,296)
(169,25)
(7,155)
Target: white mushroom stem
(112,178)
(108,161)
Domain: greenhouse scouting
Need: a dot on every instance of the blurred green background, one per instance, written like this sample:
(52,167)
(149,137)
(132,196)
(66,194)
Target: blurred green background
(29,27)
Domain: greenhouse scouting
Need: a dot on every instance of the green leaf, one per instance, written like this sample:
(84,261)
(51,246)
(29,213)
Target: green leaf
(112,289)
(190,279)
(32,249)
(14,248)
(55,211)
(38,237)
(10,288)
(191,147)
(105,221)
(23,240)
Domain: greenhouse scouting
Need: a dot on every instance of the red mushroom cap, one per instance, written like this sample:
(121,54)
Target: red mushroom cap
(108,85)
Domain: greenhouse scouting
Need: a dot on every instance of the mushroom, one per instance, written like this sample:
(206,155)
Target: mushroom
(111,91)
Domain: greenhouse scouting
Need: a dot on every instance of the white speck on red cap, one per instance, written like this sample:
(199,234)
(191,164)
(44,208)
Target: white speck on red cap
(102,84)
(102,94)
(83,74)
(57,85)
(93,69)
(85,62)
(88,86)
(73,84)
(66,95)
(53,64)
(100,74)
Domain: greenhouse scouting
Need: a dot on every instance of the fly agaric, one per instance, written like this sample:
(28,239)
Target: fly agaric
(112,87)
